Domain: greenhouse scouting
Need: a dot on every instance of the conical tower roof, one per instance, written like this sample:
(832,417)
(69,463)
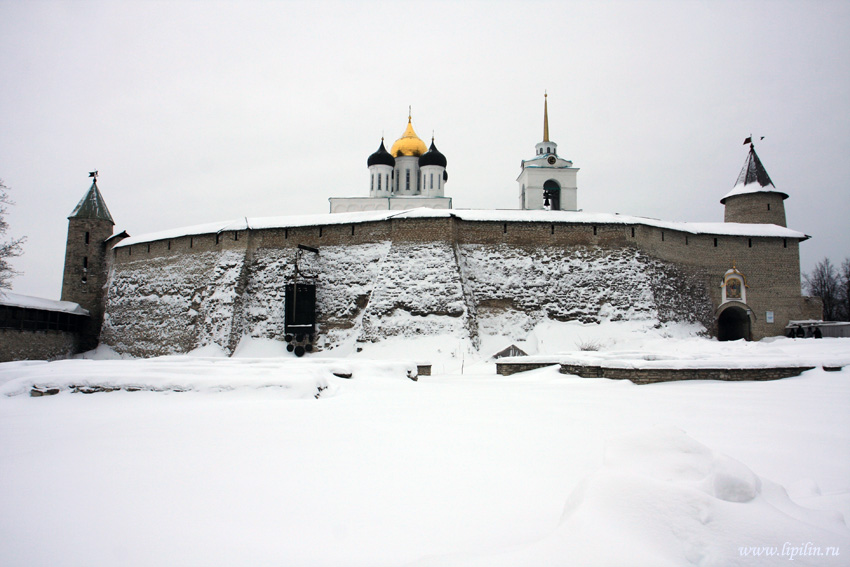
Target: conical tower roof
(92,206)
(753,178)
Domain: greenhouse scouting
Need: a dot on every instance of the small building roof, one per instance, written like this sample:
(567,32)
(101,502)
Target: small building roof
(10,299)
(92,206)
(753,178)
(512,350)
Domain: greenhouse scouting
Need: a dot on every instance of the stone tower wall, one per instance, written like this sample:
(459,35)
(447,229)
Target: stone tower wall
(758,208)
(770,265)
(85,273)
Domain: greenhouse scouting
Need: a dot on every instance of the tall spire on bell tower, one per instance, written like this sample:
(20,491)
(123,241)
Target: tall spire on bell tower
(547,146)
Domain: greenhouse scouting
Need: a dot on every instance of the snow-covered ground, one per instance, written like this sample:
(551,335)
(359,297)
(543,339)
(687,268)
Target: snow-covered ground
(264,459)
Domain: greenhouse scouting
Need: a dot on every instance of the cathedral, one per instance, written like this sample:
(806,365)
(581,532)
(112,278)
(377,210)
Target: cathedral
(408,176)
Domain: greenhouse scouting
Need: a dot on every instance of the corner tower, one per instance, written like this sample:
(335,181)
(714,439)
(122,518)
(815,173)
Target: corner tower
(89,227)
(547,181)
(754,199)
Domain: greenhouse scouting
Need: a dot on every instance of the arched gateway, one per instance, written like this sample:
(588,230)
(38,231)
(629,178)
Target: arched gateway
(733,324)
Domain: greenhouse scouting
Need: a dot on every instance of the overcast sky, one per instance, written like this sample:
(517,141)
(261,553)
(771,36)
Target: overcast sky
(203,111)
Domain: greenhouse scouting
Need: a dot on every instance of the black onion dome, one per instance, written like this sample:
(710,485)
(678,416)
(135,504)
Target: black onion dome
(381,157)
(432,157)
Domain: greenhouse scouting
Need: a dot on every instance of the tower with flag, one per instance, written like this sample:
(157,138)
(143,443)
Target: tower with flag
(754,199)
(84,277)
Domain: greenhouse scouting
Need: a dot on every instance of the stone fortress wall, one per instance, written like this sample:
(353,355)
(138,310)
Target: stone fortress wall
(455,276)
(37,345)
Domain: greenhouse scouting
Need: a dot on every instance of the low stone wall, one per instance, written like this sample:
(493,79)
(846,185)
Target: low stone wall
(652,375)
(508,368)
(36,345)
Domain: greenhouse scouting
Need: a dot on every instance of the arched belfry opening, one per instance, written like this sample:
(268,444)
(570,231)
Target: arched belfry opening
(733,324)
(552,194)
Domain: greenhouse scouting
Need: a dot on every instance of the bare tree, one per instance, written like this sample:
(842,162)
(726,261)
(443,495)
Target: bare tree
(844,292)
(823,282)
(8,248)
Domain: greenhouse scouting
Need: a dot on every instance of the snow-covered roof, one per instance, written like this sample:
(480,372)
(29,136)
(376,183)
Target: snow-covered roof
(17,300)
(743,189)
(753,179)
(480,215)
(92,206)
(542,161)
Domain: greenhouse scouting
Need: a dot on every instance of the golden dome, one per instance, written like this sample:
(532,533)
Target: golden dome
(409,144)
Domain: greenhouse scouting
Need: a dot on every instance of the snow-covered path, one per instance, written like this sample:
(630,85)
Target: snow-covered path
(469,469)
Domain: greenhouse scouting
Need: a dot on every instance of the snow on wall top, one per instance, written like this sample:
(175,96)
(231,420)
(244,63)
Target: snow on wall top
(481,215)
(29,302)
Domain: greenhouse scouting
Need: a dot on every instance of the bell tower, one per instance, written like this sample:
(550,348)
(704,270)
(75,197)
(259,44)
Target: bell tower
(547,181)
(84,279)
